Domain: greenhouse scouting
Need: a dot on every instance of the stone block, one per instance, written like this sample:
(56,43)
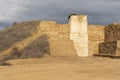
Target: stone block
(112,32)
(108,48)
(78,24)
(62,47)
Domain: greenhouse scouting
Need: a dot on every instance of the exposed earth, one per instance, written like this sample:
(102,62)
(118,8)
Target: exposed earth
(62,68)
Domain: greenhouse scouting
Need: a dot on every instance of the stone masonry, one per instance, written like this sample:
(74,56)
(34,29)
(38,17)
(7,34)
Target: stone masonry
(77,38)
(78,33)
(95,36)
(111,46)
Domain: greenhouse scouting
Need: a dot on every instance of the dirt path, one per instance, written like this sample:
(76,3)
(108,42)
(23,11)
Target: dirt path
(62,68)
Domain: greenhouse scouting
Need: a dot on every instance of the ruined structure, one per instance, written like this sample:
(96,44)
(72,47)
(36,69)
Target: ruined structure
(111,45)
(78,33)
(77,38)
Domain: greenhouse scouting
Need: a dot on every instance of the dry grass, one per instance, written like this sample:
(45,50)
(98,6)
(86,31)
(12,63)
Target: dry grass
(37,48)
(17,32)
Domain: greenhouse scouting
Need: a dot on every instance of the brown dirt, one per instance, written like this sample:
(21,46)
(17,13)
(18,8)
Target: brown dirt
(62,68)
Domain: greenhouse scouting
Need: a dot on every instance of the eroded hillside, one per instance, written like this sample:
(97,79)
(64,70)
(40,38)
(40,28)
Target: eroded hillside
(21,40)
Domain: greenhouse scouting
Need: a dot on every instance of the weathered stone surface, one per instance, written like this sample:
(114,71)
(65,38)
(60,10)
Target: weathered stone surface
(108,48)
(78,33)
(95,36)
(112,32)
(74,38)
(55,31)
(96,33)
(62,47)
(93,47)
(111,46)
(96,29)
(78,24)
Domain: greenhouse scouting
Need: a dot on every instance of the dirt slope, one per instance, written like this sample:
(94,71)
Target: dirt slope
(30,38)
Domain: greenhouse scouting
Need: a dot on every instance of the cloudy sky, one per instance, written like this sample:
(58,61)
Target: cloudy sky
(98,11)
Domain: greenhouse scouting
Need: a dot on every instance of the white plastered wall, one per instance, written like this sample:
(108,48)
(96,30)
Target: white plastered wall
(79,35)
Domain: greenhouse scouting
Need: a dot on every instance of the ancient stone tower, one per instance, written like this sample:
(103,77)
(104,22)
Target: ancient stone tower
(78,33)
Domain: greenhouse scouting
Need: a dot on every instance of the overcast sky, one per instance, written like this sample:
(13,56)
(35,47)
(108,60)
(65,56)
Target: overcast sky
(98,11)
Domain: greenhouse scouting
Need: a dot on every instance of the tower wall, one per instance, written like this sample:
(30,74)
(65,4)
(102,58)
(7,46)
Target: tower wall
(78,33)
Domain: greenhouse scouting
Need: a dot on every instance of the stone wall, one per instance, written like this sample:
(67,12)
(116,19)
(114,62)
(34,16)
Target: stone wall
(58,38)
(112,32)
(78,33)
(74,38)
(108,48)
(55,31)
(85,38)
(95,36)
(62,47)
(111,46)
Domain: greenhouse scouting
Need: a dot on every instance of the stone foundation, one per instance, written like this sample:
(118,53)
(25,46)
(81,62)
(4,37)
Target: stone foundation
(86,38)
(62,48)
(108,48)
(111,46)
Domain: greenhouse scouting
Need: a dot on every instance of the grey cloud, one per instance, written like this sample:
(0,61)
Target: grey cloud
(98,11)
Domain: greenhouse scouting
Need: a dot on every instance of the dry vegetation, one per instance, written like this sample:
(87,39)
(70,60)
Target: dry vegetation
(37,48)
(18,32)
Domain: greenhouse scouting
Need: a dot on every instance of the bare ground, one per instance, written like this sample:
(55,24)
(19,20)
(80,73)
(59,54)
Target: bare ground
(62,68)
